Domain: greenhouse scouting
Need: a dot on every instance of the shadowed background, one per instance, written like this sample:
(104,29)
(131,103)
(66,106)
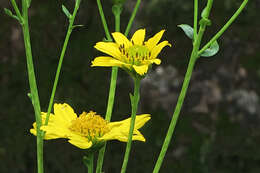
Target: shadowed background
(218,129)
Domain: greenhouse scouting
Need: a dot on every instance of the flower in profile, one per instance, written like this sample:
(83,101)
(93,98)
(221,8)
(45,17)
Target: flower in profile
(89,129)
(135,55)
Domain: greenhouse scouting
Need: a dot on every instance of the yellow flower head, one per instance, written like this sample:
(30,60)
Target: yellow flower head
(88,129)
(135,56)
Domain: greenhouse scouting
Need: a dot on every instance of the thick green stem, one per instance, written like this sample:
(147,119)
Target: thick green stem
(33,86)
(113,80)
(225,27)
(70,29)
(134,103)
(129,25)
(193,58)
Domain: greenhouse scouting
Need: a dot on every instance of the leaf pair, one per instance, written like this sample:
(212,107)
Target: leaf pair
(211,51)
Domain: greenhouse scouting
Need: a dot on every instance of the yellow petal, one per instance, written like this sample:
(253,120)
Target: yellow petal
(142,69)
(121,39)
(138,137)
(157,49)
(156,61)
(55,131)
(140,120)
(138,37)
(43,116)
(151,43)
(64,114)
(109,48)
(120,130)
(80,142)
(106,61)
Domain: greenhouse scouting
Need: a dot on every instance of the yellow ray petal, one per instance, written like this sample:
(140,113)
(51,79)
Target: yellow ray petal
(151,43)
(142,69)
(119,130)
(109,48)
(121,39)
(55,131)
(138,37)
(64,114)
(106,61)
(156,61)
(157,49)
(141,120)
(80,142)
(138,137)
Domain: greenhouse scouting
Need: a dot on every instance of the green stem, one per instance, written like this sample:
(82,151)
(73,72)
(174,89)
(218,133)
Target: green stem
(17,11)
(112,89)
(129,25)
(69,31)
(195,25)
(193,58)
(117,23)
(103,19)
(110,105)
(91,164)
(176,113)
(33,85)
(225,27)
(134,103)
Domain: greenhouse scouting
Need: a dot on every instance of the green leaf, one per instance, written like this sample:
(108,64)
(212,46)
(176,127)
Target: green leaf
(203,14)
(131,99)
(188,30)
(9,13)
(28,3)
(212,50)
(66,11)
(86,160)
(75,26)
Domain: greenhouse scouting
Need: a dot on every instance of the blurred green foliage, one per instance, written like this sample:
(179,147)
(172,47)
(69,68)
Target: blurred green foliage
(233,147)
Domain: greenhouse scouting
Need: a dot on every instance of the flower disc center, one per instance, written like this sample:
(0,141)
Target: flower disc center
(89,125)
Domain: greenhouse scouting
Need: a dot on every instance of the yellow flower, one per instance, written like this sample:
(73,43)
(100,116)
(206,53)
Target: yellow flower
(89,129)
(134,56)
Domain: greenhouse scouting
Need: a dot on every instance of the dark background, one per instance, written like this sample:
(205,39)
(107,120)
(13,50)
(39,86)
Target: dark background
(218,129)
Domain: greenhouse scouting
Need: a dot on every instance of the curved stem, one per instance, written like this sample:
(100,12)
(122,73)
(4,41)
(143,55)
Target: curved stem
(33,86)
(225,27)
(129,25)
(134,103)
(70,29)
